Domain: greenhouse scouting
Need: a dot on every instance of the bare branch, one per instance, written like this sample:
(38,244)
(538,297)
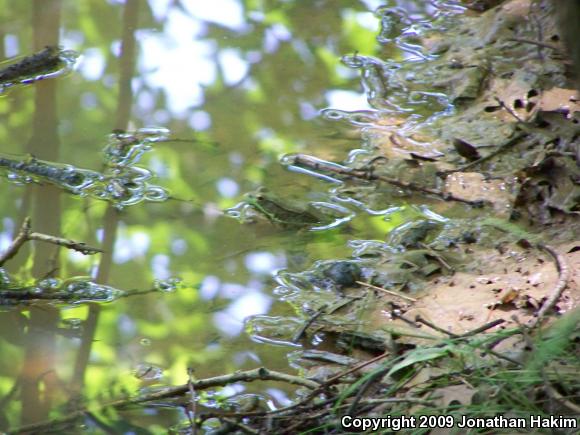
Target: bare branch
(562,283)
(17,243)
(25,235)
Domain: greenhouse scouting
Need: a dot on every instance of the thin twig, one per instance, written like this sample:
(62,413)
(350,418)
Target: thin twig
(25,235)
(17,243)
(504,357)
(510,143)
(437,257)
(374,377)
(319,389)
(489,349)
(455,336)
(564,276)
(403,318)
(32,293)
(538,43)
(395,400)
(391,292)
(343,304)
(435,327)
(533,13)
(402,333)
(482,328)
(257,374)
(241,426)
(260,373)
(352,370)
(554,394)
(26,294)
(316,164)
(307,323)
(509,110)
(67,243)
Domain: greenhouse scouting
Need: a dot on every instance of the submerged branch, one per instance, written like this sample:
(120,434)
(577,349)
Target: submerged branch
(39,63)
(309,162)
(258,374)
(29,295)
(300,333)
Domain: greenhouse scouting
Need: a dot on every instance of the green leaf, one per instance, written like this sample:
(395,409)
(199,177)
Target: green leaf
(419,355)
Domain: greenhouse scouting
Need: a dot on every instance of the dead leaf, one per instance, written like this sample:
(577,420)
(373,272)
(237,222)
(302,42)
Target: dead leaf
(466,150)
(462,394)
(509,296)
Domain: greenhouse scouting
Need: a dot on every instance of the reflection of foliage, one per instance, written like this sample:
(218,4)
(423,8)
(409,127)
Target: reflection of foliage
(251,123)
(287,77)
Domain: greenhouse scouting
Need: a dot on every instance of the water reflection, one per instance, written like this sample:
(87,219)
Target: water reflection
(244,83)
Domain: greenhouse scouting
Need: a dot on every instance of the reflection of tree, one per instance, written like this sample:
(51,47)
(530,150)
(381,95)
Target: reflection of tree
(111,217)
(38,379)
(293,74)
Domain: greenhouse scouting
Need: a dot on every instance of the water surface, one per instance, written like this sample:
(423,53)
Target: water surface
(239,84)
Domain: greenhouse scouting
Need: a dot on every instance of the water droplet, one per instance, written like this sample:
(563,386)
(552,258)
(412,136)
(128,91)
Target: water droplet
(359,117)
(85,290)
(167,285)
(49,283)
(5,279)
(156,194)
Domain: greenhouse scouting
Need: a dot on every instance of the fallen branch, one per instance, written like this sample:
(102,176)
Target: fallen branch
(425,322)
(244,428)
(320,165)
(300,333)
(390,292)
(538,43)
(37,64)
(469,334)
(349,371)
(34,293)
(361,391)
(17,243)
(564,276)
(555,395)
(67,243)
(25,234)
(29,295)
(258,374)
(510,143)
(483,328)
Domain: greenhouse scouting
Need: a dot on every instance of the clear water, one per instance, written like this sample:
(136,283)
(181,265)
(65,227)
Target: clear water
(238,84)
